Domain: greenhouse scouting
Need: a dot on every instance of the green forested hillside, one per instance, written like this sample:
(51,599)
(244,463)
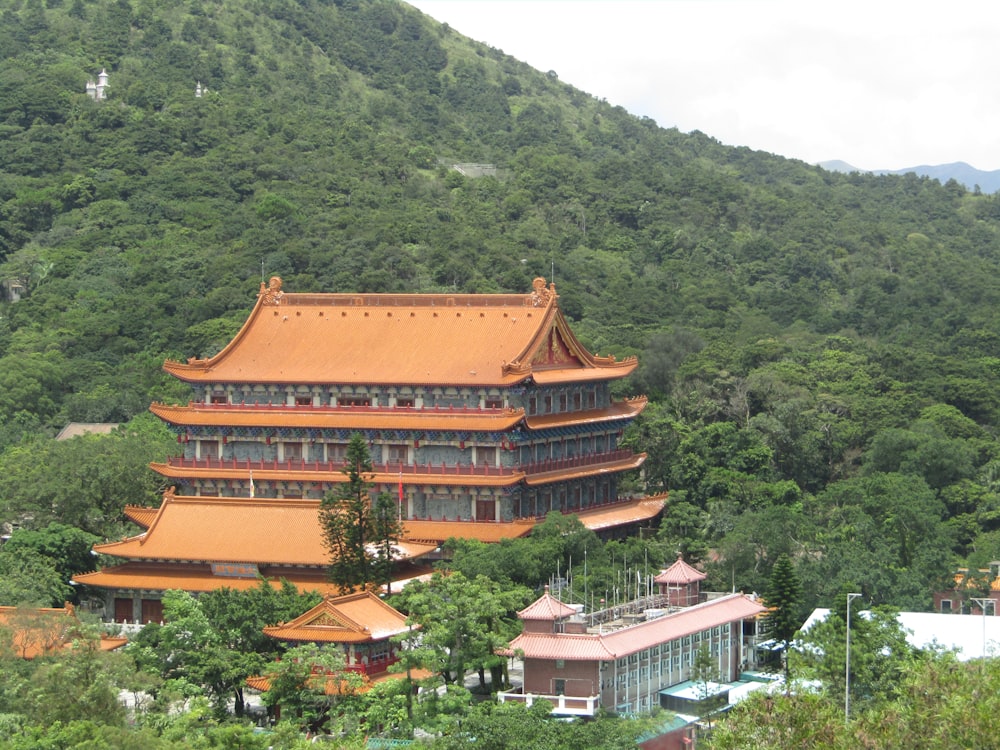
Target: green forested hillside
(821,349)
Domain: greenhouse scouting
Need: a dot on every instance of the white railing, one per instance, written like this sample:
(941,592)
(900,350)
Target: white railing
(563,705)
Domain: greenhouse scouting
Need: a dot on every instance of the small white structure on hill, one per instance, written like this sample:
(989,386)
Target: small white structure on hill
(97,91)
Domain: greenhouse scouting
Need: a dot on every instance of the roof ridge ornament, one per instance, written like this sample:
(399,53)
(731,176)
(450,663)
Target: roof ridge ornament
(271,294)
(540,295)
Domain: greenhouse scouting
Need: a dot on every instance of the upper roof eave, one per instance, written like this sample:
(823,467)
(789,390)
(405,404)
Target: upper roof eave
(347,417)
(627,409)
(418,340)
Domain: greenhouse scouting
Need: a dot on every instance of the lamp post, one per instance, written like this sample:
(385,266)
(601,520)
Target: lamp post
(982,602)
(847,662)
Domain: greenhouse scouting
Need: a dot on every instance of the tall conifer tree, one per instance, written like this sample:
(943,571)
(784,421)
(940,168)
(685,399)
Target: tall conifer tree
(359,534)
(784,598)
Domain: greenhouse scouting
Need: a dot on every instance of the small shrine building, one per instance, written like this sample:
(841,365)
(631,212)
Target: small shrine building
(361,625)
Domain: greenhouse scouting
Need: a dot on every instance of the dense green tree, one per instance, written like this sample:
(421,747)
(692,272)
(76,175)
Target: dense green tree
(930,711)
(215,642)
(883,532)
(68,547)
(784,616)
(464,623)
(312,685)
(85,481)
(880,654)
(496,727)
(30,577)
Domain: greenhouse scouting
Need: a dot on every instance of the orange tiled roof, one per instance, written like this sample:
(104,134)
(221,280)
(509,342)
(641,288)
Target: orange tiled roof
(596,519)
(643,635)
(43,630)
(419,339)
(680,572)
(198,578)
(483,531)
(438,475)
(619,514)
(38,630)
(141,515)
(546,607)
(355,618)
(963,579)
(235,530)
(571,469)
(628,408)
(344,417)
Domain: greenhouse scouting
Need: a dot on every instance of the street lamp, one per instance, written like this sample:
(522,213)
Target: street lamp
(982,602)
(847,662)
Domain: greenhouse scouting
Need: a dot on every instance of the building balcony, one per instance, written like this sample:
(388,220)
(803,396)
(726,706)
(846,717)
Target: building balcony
(245,465)
(562,705)
(373,667)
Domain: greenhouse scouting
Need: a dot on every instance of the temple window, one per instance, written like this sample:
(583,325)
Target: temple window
(591,399)
(219,398)
(208,449)
(336,452)
(548,404)
(562,402)
(303,401)
(486,456)
(532,405)
(577,401)
(396,454)
(493,402)
(293,451)
(405,402)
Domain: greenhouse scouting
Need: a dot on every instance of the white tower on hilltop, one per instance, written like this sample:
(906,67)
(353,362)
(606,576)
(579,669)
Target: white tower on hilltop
(96,91)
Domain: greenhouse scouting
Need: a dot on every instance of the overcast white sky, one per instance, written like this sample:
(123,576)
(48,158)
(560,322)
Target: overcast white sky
(882,84)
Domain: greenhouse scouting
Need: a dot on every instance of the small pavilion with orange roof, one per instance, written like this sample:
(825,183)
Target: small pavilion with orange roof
(360,624)
(680,584)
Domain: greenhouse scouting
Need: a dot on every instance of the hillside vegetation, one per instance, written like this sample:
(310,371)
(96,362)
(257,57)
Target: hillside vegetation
(821,349)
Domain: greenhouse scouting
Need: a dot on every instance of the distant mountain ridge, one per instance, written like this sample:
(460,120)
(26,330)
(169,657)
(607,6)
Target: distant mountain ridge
(988,182)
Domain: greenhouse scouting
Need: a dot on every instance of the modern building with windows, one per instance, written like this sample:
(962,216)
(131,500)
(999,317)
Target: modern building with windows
(624,659)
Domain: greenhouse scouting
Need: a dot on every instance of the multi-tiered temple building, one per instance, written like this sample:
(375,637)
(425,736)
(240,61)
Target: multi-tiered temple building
(482,413)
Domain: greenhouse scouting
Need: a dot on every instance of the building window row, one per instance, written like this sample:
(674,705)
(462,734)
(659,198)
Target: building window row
(578,399)
(393,398)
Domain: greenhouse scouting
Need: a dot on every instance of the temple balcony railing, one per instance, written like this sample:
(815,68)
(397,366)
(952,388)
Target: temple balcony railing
(429,469)
(296,464)
(562,705)
(356,409)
